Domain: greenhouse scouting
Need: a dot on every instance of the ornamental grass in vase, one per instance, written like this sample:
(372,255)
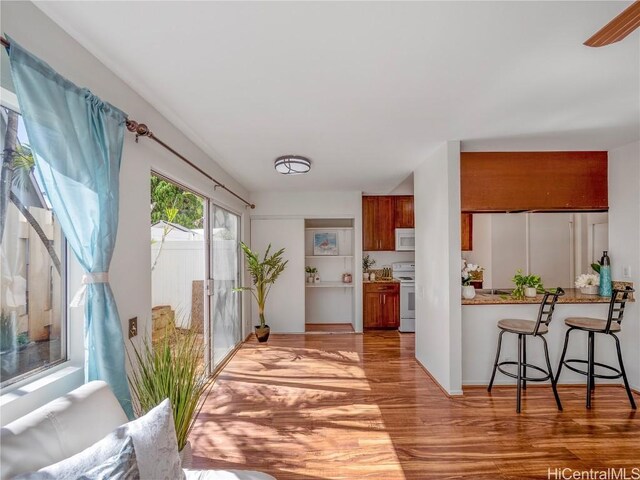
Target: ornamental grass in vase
(172,367)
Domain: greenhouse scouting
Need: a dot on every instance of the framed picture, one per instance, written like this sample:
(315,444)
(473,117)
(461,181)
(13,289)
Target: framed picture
(325,243)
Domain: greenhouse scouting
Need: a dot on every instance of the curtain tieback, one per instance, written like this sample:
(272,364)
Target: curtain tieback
(87,279)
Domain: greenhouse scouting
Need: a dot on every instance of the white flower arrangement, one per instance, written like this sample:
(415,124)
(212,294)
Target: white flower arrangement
(587,280)
(468,271)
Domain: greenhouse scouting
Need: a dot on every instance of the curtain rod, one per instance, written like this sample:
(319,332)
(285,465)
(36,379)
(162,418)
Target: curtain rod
(141,130)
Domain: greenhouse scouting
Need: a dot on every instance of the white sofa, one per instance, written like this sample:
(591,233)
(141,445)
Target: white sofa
(69,425)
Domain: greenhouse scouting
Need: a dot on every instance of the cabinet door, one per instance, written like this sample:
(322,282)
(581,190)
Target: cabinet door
(386,225)
(390,310)
(369,214)
(466,228)
(372,310)
(404,211)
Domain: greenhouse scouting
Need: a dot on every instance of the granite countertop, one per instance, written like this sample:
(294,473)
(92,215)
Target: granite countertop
(386,280)
(571,295)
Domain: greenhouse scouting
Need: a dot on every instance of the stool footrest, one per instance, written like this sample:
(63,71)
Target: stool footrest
(528,365)
(618,373)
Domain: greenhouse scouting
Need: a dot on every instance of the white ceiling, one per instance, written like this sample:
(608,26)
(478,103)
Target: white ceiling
(367,89)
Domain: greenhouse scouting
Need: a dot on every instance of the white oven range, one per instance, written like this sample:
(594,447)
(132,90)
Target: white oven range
(406,273)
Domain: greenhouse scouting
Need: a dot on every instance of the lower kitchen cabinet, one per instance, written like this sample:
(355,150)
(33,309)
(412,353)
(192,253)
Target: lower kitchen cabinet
(381,306)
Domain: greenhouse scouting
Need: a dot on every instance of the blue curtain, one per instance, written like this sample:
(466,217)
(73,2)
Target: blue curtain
(77,143)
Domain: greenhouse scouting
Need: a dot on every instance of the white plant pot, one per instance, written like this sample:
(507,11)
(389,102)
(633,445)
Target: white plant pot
(310,279)
(530,292)
(590,290)
(365,277)
(468,292)
(186,455)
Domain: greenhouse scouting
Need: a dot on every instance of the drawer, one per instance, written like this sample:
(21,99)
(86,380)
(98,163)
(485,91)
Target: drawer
(382,287)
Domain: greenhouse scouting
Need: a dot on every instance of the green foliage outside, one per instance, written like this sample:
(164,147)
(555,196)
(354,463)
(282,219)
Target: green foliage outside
(171,203)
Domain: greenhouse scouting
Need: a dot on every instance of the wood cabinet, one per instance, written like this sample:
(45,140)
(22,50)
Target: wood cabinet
(466,228)
(404,211)
(381,305)
(378,223)
(542,181)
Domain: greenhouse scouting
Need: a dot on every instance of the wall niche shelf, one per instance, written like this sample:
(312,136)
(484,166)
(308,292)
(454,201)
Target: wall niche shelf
(330,300)
(330,285)
(328,228)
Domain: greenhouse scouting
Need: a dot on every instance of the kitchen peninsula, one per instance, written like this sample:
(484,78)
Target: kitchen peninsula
(480,333)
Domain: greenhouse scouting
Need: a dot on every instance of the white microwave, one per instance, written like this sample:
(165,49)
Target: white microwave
(405,239)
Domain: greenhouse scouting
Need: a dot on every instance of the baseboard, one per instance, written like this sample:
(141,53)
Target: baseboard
(455,393)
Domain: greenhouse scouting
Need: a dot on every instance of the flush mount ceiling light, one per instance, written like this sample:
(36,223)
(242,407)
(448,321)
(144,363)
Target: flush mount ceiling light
(292,165)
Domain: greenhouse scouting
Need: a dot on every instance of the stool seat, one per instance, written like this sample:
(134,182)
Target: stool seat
(525,327)
(591,324)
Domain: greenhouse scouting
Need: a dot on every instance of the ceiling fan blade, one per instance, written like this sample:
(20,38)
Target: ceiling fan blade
(618,28)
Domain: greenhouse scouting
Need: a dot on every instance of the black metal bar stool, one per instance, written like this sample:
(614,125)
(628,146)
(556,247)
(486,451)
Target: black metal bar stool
(525,328)
(610,326)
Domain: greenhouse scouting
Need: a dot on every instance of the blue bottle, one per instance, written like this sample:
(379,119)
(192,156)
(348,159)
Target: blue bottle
(605,275)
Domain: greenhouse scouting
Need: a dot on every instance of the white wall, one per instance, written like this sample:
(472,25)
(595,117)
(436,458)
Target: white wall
(624,243)
(130,269)
(284,311)
(405,187)
(385,259)
(274,207)
(438,309)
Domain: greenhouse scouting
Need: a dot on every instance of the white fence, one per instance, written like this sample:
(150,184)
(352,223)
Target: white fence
(179,264)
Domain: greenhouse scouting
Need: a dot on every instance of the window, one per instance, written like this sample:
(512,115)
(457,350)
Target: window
(32,263)
(177,259)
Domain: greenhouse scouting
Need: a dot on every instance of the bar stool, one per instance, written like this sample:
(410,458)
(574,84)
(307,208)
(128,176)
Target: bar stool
(525,328)
(610,326)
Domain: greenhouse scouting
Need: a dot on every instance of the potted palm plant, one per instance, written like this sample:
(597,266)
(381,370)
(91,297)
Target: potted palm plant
(264,273)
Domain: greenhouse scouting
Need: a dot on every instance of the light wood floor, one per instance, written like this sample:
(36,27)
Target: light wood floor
(359,406)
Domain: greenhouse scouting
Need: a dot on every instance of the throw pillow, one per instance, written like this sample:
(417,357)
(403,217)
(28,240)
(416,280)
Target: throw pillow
(154,440)
(119,466)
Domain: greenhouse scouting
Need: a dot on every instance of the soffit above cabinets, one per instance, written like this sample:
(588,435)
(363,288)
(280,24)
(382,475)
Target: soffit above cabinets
(533,181)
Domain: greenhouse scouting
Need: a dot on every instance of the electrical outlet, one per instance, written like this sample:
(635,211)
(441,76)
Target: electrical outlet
(133,327)
(626,271)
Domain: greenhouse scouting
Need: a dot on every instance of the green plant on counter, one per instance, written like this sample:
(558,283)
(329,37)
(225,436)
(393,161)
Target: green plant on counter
(596,267)
(526,281)
(311,270)
(367,263)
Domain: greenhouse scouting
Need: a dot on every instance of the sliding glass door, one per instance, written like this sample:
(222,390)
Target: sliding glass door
(224,303)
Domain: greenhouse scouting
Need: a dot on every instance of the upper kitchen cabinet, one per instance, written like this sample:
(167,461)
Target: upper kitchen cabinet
(533,181)
(378,223)
(404,211)
(466,230)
